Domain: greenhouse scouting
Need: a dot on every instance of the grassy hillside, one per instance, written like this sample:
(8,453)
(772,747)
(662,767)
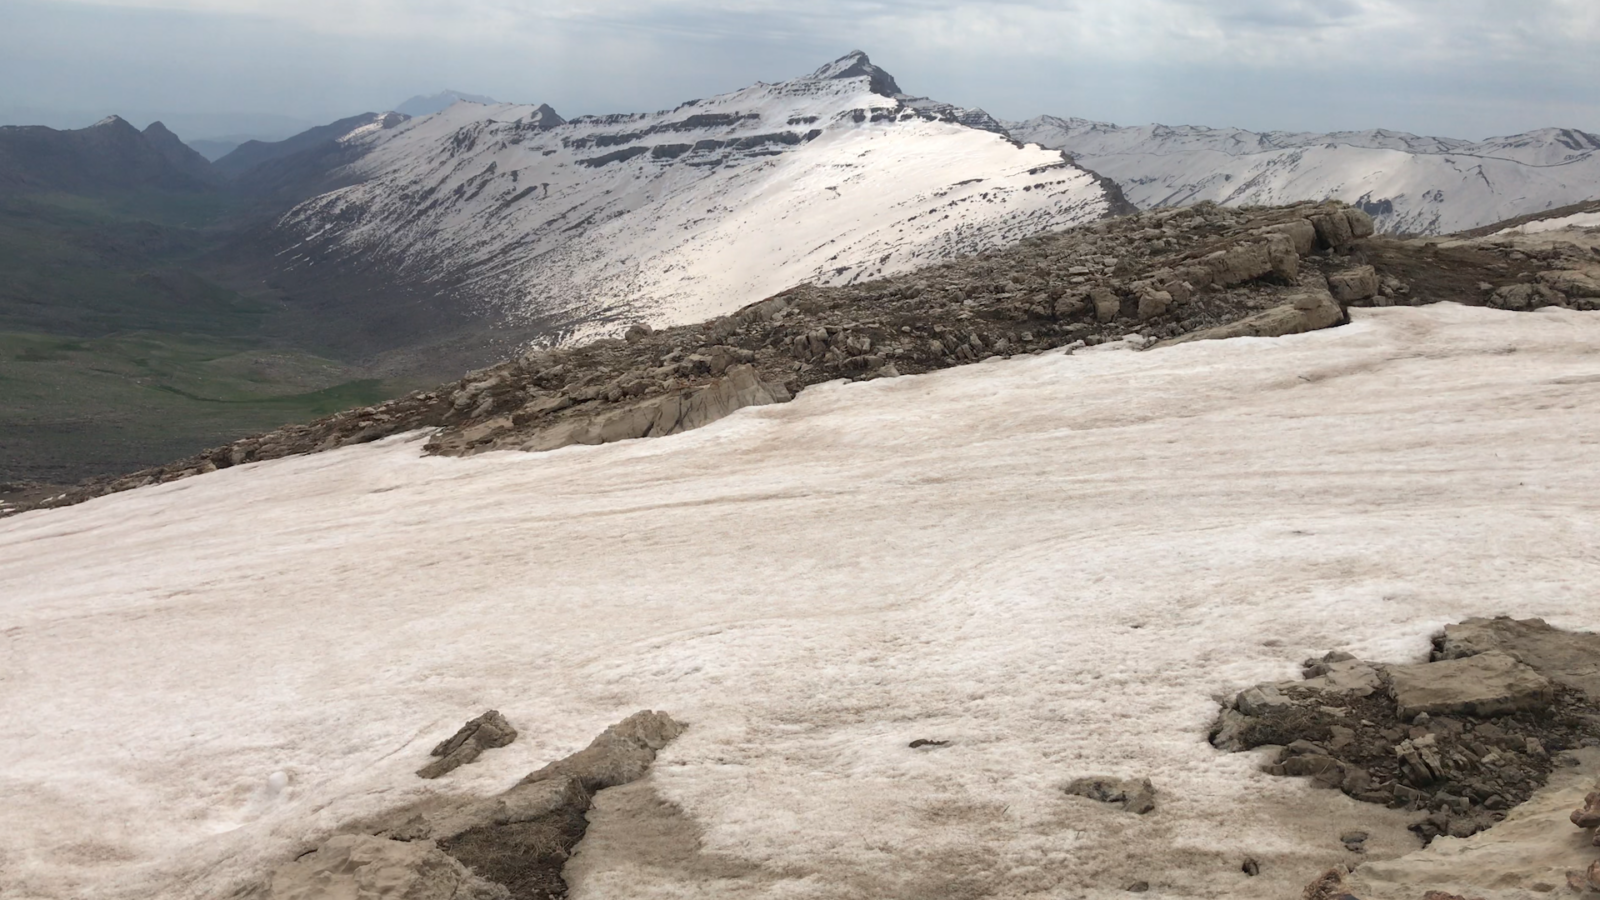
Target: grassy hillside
(70,408)
(82,267)
(118,351)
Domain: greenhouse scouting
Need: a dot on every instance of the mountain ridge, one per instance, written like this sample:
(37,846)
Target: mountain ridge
(684,213)
(111,154)
(1409,183)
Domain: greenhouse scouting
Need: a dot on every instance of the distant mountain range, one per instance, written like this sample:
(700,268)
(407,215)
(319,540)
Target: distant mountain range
(108,155)
(1422,185)
(423,106)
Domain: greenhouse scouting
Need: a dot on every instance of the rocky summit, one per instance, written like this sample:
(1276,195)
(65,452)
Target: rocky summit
(1145,280)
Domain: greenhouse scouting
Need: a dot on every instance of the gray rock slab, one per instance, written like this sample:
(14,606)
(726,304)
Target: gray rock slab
(1488,684)
(1570,658)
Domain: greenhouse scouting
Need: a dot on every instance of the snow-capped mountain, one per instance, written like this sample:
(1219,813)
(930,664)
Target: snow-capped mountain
(679,215)
(1408,183)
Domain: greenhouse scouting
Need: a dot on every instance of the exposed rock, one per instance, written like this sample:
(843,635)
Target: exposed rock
(1106,305)
(622,753)
(1528,854)
(1570,658)
(1154,305)
(1488,684)
(1526,297)
(1328,886)
(1135,795)
(1360,283)
(1333,230)
(1464,738)
(1305,312)
(361,867)
(486,732)
(654,417)
(1572,284)
(1361,224)
(1587,815)
(511,846)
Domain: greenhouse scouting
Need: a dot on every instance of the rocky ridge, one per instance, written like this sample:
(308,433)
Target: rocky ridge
(1148,279)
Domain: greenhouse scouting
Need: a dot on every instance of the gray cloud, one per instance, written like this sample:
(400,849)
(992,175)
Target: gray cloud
(1463,67)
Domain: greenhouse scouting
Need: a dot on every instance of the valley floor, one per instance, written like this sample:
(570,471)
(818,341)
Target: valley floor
(1055,563)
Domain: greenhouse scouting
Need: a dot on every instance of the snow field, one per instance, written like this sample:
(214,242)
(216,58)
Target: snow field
(1056,563)
(1576,220)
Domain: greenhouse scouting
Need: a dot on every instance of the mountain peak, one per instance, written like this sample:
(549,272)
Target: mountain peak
(422,106)
(113,121)
(855,64)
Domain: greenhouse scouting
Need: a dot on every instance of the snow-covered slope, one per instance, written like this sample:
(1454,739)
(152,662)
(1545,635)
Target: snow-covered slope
(676,216)
(1408,183)
(197,679)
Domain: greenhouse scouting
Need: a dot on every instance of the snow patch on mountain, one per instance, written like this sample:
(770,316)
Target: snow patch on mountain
(1408,183)
(675,216)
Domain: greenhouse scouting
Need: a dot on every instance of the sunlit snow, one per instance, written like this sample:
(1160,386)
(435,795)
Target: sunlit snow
(1541,226)
(680,215)
(1053,562)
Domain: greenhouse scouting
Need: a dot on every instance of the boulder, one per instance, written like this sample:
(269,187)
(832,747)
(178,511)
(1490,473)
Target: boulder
(1488,684)
(1304,312)
(1333,229)
(1135,795)
(1282,256)
(1154,304)
(1526,296)
(1301,233)
(1570,658)
(1573,284)
(486,732)
(1350,677)
(1106,305)
(1261,700)
(1361,224)
(1360,283)
(1240,263)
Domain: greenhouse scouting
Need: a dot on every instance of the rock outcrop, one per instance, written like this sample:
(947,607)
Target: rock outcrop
(508,847)
(1464,737)
(486,732)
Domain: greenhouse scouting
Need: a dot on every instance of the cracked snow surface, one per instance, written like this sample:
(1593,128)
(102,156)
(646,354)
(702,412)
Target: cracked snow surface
(1054,563)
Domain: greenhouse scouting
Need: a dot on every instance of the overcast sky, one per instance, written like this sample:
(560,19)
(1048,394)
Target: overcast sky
(1461,68)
